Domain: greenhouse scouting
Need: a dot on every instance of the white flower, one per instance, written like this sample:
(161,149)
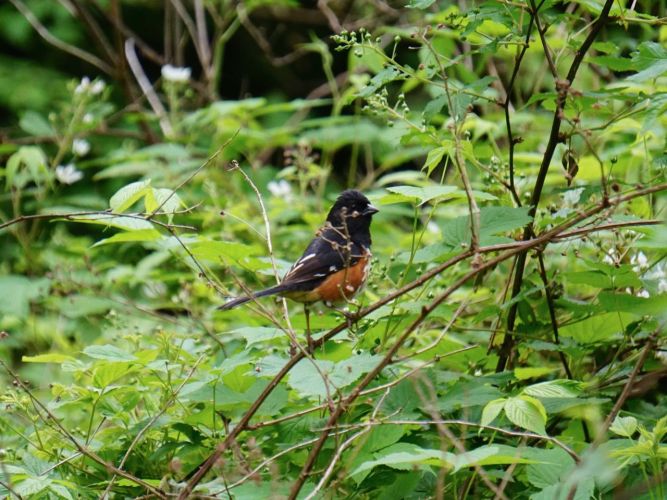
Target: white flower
(644,294)
(87,118)
(175,74)
(83,86)
(80,147)
(571,197)
(97,87)
(68,174)
(432,227)
(639,261)
(662,285)
(280,189)
(611,257)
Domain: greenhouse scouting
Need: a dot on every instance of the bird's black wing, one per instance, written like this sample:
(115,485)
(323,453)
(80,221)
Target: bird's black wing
(328,253)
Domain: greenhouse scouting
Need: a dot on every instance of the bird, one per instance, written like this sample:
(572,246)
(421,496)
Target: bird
(336,263)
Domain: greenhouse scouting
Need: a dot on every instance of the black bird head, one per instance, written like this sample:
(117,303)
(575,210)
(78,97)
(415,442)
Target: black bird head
(352,213)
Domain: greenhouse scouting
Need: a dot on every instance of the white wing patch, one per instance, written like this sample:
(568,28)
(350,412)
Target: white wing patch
(301,262)
(332,269)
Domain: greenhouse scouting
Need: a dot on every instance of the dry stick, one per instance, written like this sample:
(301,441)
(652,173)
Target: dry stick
(56,42)
(147,88)
(562,87)
(426,310)
(506,107)
(366,428)
(552,314)
(366,392)
(199,169)
(77,217)
(84,450)
(513,250)
(269,244)
(627,388)
(545,45)
(150,423)
(76,7)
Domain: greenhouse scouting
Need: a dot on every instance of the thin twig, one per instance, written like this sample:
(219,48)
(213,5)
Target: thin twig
(507,347)
(517,247)
(83,449)
(56,42)
(151,422)
(147,88)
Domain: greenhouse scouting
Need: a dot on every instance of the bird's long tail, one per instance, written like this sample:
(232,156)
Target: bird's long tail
(242,300)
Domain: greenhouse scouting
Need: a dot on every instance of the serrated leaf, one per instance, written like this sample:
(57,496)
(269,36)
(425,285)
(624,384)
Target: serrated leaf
(527,413)
(108,352)
(624,426)
(385,76)
(528,372)
(139,236)
(554,389)
(405,456)
(434,157)
(52,357)
(118,221)
(492,410)
(494,454)
(128,195)
(651,58)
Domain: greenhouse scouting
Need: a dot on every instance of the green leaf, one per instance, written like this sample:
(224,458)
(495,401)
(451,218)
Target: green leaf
(118,221)
(35,124)
(554,389)
(257,334)
(624,426)
(16,293)
(489,455)
(651,59)
(419,4)
(492,410)
(425,194)
(625,302)
(108,352)
(599,328)
(139,236)
(528,372)
(434,157)
(385,76)
(52,357)
(527,413)
(552,467)
(405,456)
(468,393)
(128,195)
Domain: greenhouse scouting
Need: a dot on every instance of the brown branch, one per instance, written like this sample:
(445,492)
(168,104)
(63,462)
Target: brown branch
(627,388)
(56,42)
(562,87)
(515,248)
(506,107)
(426,310)
(82,449)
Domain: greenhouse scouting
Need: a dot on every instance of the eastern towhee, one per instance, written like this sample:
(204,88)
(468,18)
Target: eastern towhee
(336,263)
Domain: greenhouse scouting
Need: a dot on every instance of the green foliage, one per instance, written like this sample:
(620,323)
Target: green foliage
(510,342)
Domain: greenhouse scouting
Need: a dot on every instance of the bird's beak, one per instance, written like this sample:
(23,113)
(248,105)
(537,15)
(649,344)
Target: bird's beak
(370,210)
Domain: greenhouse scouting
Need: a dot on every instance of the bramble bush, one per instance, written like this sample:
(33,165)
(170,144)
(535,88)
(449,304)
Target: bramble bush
(511,340)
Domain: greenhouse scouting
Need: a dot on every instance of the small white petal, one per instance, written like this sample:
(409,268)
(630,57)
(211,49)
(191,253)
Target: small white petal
(644,294)
(83,86)
(68,174)
(97,87)
(175,74)
(80,147)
